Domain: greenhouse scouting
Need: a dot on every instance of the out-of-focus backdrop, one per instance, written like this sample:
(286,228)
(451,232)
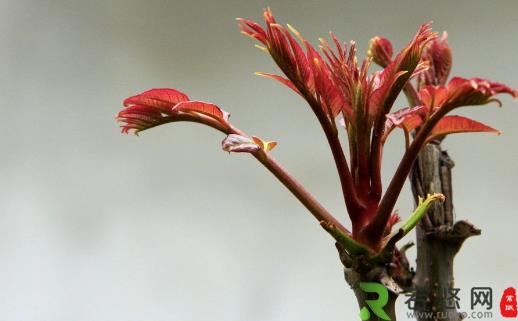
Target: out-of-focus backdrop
(95,225)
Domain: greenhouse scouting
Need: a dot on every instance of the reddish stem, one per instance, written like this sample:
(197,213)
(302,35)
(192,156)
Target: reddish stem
(297,189)
(376,227)
(352,202)
(318,211)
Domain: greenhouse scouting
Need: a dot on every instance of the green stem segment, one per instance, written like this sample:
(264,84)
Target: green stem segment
(420,211)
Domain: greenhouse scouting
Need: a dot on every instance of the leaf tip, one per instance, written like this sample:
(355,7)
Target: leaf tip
(436,197)
(262,48)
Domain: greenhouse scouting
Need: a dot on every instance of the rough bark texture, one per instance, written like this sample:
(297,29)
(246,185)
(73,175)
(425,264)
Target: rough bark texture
(439,237)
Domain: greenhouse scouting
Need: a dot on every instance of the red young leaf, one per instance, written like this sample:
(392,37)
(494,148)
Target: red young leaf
(306,71)
(396,74)
(399,116)
(300,58)
(163,98)
(433,96)
(283,48)
(412,122)
(458,124)
(253,30)
(421,68)
(280,79)
(438,54)
(464,92)
(204,108)
(406,118)
(159,106)
(475,91)
(140,117)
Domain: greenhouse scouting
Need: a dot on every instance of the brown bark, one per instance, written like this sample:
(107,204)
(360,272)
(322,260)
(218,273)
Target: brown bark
(439,237)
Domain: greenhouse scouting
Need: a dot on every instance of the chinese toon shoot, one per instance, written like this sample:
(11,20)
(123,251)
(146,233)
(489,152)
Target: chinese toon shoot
(351,105)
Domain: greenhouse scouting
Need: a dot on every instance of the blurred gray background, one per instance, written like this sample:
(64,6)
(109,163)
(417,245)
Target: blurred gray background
(95,225)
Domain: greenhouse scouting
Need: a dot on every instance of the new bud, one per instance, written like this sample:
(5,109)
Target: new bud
(440,58)
(380,50)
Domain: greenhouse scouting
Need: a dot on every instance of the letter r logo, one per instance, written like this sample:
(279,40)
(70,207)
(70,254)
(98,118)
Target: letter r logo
(376,306)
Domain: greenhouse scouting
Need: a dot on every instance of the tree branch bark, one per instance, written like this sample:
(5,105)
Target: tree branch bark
(439,237)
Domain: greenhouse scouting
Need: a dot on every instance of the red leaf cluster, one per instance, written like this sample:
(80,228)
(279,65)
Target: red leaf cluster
(335,84)
(159,106)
